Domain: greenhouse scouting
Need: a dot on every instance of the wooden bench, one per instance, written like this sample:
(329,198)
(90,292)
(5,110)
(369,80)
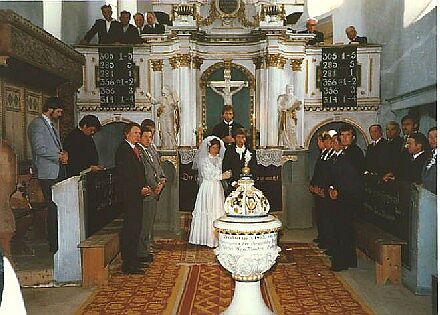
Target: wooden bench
(97,252)
(383,248)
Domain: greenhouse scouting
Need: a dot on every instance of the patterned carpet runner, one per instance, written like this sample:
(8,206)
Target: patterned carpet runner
(186,279)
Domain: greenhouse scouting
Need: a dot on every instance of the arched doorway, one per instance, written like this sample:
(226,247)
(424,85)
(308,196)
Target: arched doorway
(212,103)
(107,141)
(361,139)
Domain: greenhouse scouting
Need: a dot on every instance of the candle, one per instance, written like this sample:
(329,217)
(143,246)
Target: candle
(199,135)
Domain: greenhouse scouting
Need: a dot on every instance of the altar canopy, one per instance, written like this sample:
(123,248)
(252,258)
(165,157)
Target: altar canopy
(241,54)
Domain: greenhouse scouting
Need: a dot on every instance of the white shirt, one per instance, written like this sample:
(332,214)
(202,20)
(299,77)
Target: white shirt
(240,151)
(415,156)
(108,23)
(131,144)
(47,119)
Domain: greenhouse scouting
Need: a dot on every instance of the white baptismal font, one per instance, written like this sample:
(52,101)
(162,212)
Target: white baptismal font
(247,245)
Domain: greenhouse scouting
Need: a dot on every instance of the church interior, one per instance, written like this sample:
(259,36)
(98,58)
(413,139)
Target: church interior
(295,77)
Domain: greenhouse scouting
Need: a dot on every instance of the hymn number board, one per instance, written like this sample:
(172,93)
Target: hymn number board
(116,77)
(338,76)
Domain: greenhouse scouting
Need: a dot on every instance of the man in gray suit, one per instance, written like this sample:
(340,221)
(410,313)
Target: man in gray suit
(49,159)
(156,179)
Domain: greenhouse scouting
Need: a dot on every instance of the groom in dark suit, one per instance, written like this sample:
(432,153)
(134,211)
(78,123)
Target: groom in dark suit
(234,159)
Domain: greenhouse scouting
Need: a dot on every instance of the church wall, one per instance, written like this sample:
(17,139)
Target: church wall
(409,61)
(78,17)
(31,10)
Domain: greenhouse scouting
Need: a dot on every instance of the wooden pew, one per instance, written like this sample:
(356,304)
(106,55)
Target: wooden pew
(98,251)
(383,248)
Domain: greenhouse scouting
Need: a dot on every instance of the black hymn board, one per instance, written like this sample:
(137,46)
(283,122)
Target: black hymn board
(338,76)
(116,77)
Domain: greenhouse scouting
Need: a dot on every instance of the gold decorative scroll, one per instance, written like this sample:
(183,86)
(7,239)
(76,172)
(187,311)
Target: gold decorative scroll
(258,62)
(197,62)
(174,62)
(275,60)
(157,64)
(184,60)
(296,64)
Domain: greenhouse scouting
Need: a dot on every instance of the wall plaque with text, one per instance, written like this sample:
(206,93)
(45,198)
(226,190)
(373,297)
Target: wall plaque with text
(338,76)
(116,77)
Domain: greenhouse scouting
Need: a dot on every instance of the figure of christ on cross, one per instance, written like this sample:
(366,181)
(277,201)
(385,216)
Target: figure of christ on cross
(226,86)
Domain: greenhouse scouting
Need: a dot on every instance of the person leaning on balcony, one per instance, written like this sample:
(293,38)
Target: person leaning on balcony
(109,30)
(353,37)
(152,26)
(311,29)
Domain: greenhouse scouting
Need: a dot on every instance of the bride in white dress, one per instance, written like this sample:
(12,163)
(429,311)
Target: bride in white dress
(210,198)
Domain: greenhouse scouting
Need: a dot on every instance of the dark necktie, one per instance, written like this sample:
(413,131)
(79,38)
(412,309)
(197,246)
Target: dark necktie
(137,152)
(57,140)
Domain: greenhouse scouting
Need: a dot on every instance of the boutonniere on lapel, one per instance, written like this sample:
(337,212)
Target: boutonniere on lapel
(247,157)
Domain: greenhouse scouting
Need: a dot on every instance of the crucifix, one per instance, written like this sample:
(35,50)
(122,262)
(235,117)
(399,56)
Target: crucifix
(227,88)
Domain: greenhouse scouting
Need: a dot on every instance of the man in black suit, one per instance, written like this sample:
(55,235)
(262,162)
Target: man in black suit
(130,34)
(393,148)
(429,172)
(311,29)
(131,189)
(139,22)
(417,147)
(318,185)
(375,164)
(352,152)
(345,192)
(81,147)
(234,159)
(353,37)
(409,126)
(109,30)
(152,26)
(228,127)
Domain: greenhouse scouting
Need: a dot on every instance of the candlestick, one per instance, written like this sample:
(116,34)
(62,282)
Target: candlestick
(199,135)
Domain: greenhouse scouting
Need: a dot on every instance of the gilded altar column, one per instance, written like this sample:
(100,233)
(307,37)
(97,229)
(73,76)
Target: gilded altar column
(298,83)
(260,102)
(187,110)
(196,99)
(157,66)
(275,65)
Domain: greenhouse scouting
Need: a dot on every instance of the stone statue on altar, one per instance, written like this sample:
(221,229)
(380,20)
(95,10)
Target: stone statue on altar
(288,105)
(168,114)
(223,88)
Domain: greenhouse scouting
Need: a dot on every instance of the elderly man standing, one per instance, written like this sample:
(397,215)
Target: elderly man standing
(131,188)
(311,29)
(49,159)
(353,37)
